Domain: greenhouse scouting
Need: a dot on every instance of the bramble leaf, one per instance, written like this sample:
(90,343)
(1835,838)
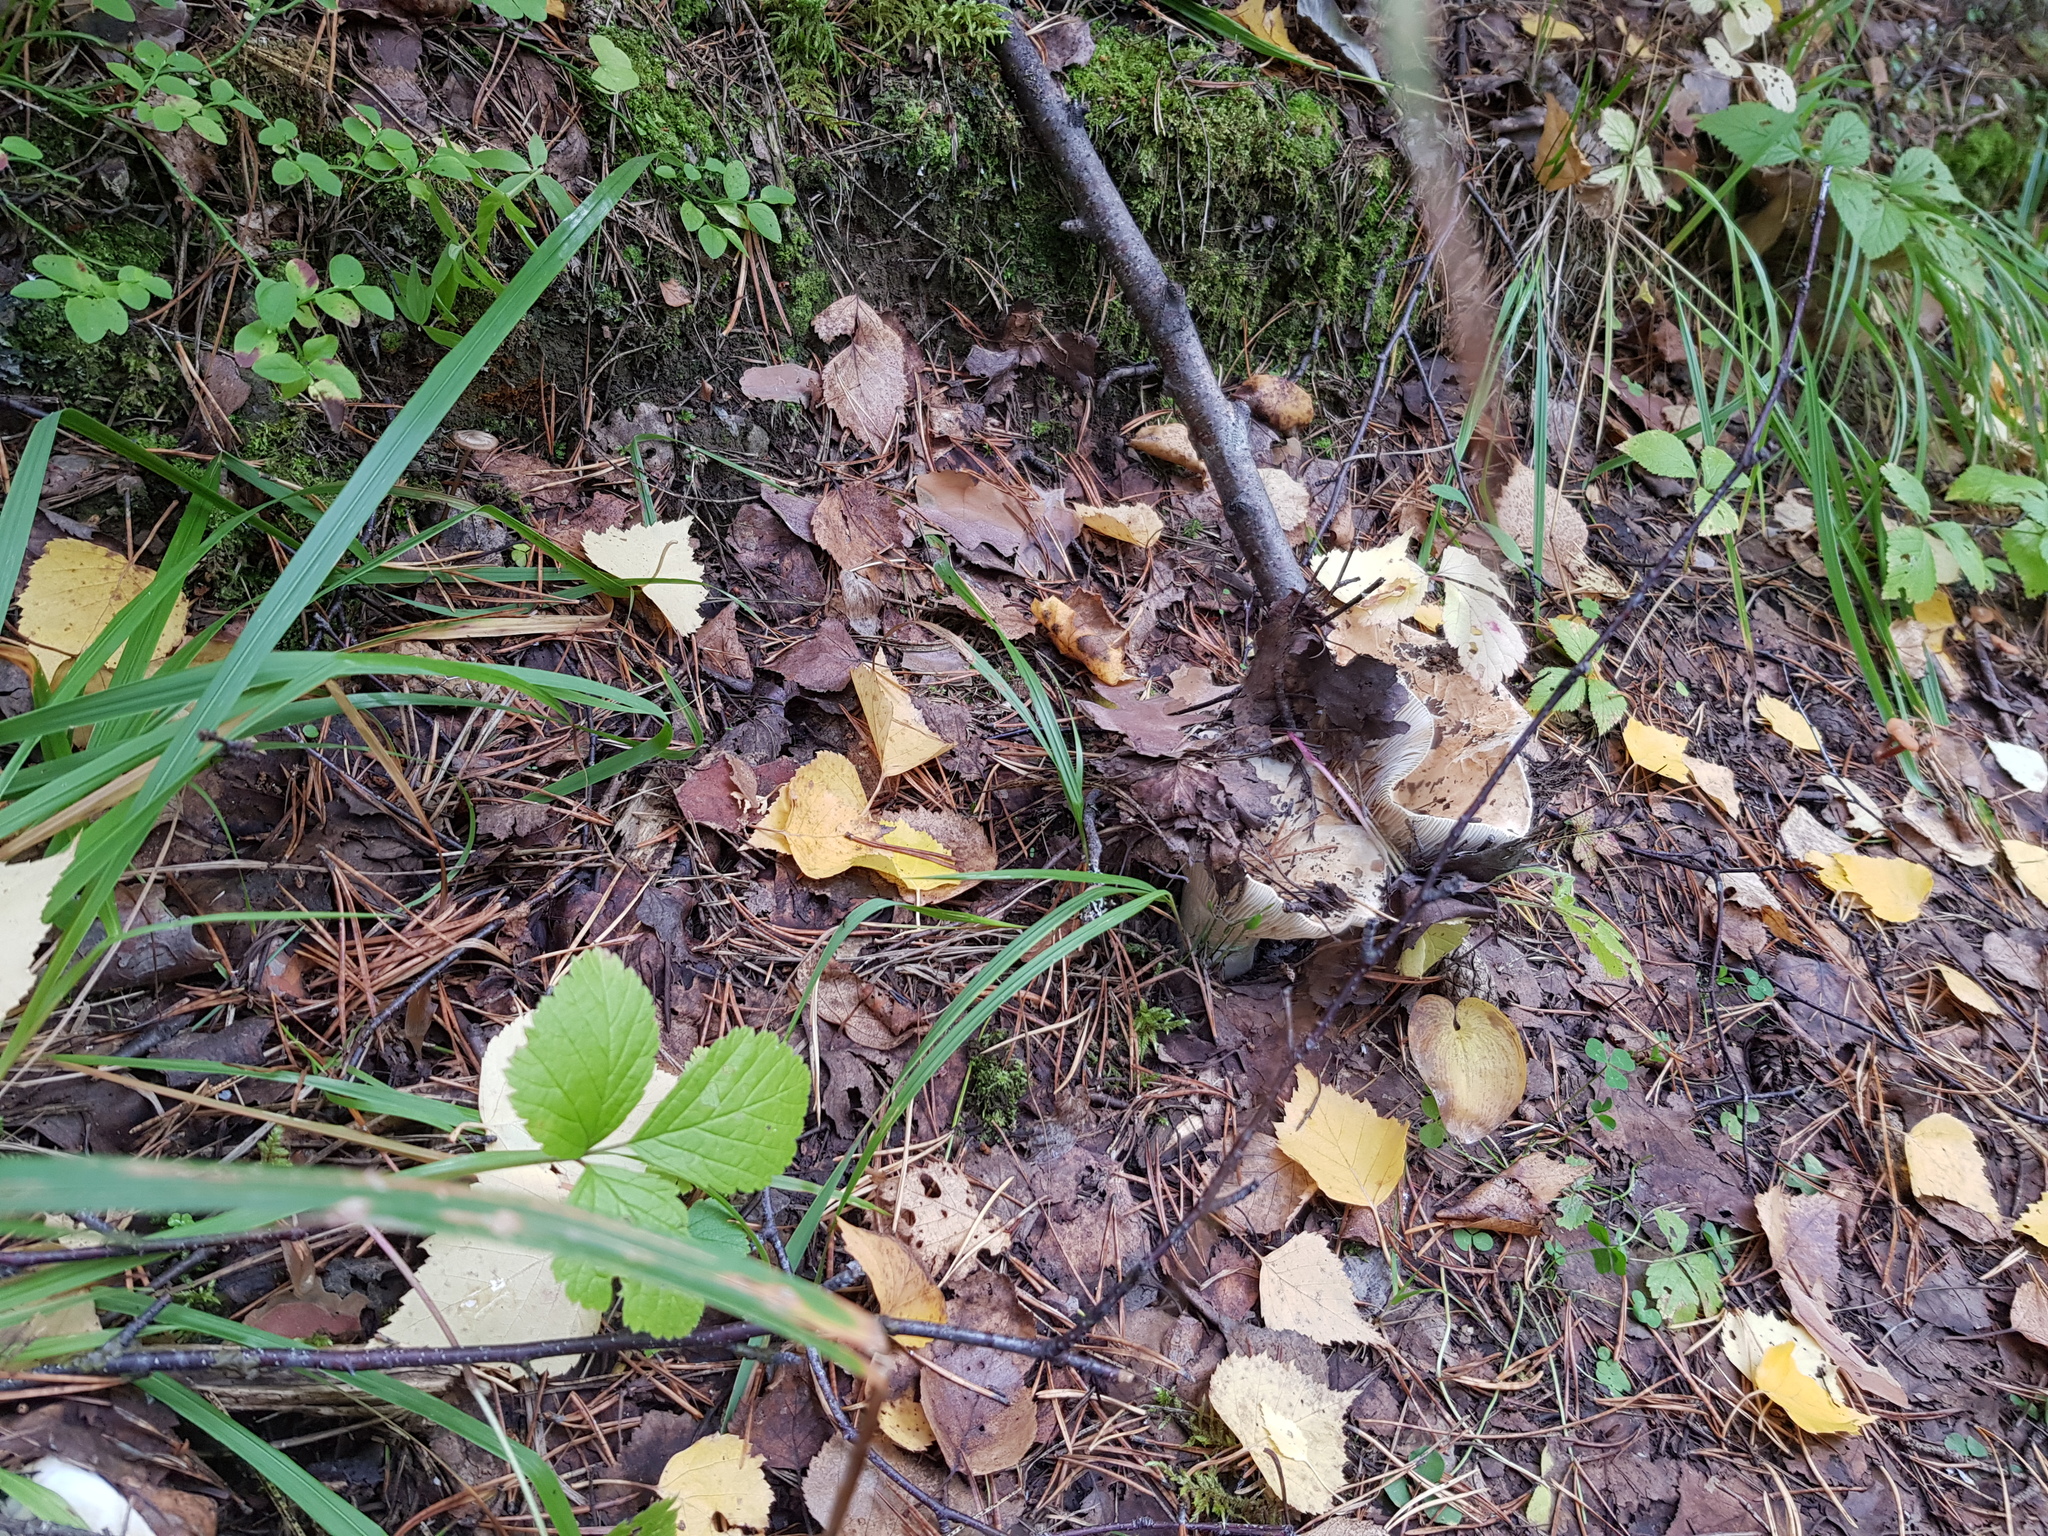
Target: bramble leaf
(588,1055)
(731,1122)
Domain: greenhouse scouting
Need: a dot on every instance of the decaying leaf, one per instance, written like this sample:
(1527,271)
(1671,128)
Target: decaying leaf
(659,554)
(1655,751)
(2024,765)
(2030,1309)
(2029,866)
(865,382)
(1892,889)
(937,1209)
(1786,1365)
(2033,1221)
(1085,630)
(1355,1155)
(1804,1234)
(1559,162)
(1717,783)
(901,1286)
(1279,402)
(1957,837)
(1168,442)
(1943,1164)
(1131,523)
(1303,1286)
(1292,509)
(1471,1057)
(1547,29)
(1854,804)
(820,819)
(1156,727)
(902,739)
(1805,839)
(74,590)
(1787,722)
(24,891)
(980,1434)
(1515,1201)
(974,510)
(1291,1424)
(1476,619)
(1565,562)
(878,1507)
(1970,992)
(716,1486)
(1279,1187)
(789,382)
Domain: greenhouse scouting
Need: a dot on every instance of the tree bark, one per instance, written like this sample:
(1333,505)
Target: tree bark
(1162,310)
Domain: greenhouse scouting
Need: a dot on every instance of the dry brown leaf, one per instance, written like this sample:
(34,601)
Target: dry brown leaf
(902,739)
(865,382)
(1279,402)
(901,1286)
(2030,1310)
(973,510)
(1131,523)
(1168,442)
(1804,1234)
(978,1435)
(1085,631)
(1354,1155)
(1279,1186)
(788,382)
(1303,1286)
(1943,1163)
(857,523)
(74,590)
(659,554)
(878,1506)
(1291,1424)
(1955,836)
(1559,164)
(937,1209)
(1515,1201)
(716,1486)
(1471,1057)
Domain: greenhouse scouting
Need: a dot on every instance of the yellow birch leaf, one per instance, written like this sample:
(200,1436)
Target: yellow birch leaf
(2029,866)
(1549,29)
(1804,1399)
(1269,25)
(716,1486)
(74,591)
(1291,1423)
(903,1420)
(914,859)
(1304,1286)
(1717,783)
(902,739)
(1787,722)
(1133,523)
(1968,991)
(810,818)
(2033,1221)
(659,554)
(1438,940)
(1943,1163)
(1355,1155)
(898,1278)
(1893,889)
(1655,751)
(1471,1057)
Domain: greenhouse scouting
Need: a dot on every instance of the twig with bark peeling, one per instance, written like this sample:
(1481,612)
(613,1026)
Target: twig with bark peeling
(1213,422)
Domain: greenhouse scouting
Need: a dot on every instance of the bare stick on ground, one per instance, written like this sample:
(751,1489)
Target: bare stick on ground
(1162,310)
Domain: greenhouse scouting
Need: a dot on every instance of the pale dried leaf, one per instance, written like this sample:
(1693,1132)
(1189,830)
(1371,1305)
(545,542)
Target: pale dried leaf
(1476,620)
(1943,1163)
(1279,402)
(24,891)
(902,739)
(1970,992)
(1655,751)
(1893,890)
(1291,1424)
(1303,1286)
(1471,1057)
(1168,442)
(1717,783)
(716,1486)
(660,554)
(2023,765)
(865,382)
(1786,722)
(903,1420)
(1805,839)
(2029,866)
(1131,523)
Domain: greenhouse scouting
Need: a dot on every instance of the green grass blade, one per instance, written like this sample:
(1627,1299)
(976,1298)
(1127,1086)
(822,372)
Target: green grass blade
(18,514)
(367,1095)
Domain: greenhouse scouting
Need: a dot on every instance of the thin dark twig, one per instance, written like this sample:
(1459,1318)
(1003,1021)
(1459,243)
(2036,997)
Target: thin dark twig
(142,1248)
(1051,1351)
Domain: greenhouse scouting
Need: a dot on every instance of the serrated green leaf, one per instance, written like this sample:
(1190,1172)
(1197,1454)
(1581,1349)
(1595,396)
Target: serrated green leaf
(1908,565)
(2025,552)
(1716,465)
(1574,636)
(1548,681)
(1961,544)
(1907,487)
(1845,142)
(588,1055)
(1983,484)
(731,1122)
(1922,174)
(1662,454)
(643,1200)
(1755,132)
(1876,221)
(1952,252)
(1607,704)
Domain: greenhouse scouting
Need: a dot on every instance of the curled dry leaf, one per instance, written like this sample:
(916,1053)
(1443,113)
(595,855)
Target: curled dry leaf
(1655,751)
(715,1486)
(1279,1187)
(789,382)
(1279,402)
(1292,509)
(1786,1365)
(820,819)
(1085,631)
(1131,523)
(74,591)
(1476,620)
(902,739)
(1168,442)
(1471,1057)
(1559,162)
(1944,1165)
(942,1215)
(1515,1201)
(660,555)
(1355,1155)
(2030,1310)
(901,1286)
(1303,1286)
(1290,1423)
(865,383)
(1957,837)
(1786,722)
(903,1420)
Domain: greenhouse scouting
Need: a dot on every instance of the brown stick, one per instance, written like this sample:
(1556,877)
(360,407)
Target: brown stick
(1162,310)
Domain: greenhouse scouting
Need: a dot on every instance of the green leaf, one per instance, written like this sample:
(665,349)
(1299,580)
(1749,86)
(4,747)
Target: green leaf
(588,1055)
(276,303)
(374,299)
(657,1519)
(1921,174)
(1662,454)
(731,1123)
(1548,681)
(1437,941)
(1607,704)
(39,1501)
(280,368)
(345,271)
(37,288)
(1845,142)
(1908,565)
(782,197)
(1755,132)
(2026,550)
(341,306)
(615,72)
(1876,221)
(1907,487)
(1961,544)
(713,239)
(737,182)
(1716,465)
(15,147)
(1953,254)
(762,217)
(93,316)
(1981,483)
(1574,637)
(639,1199)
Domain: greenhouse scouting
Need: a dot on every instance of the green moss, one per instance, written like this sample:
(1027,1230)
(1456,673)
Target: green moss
(1987,162)
(948,28)
(996,1086)
(656,117)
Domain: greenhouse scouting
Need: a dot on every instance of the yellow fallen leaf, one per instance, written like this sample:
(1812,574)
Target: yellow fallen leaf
(1893,889)
(1938,615)
(1132,523)
(902,739)
(1290,1423)
(1471,1057)
(74,591)
(24,890)
(1787,722)
(2033,1221)
(659,554)
(1717,783)
(1943,1163)
(1169,442)
(1968,991)
(1804,1399)
(1085,631)
(1437,941)
(1549,29)
(1656,751)
(1269,25)
(716,1486)
(1355,1155)
(1304,1286)
(901,1286)
(903,1420)
(2029,866)
(808,820)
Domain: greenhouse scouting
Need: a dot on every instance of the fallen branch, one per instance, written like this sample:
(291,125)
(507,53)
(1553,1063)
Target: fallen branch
(1213,423)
